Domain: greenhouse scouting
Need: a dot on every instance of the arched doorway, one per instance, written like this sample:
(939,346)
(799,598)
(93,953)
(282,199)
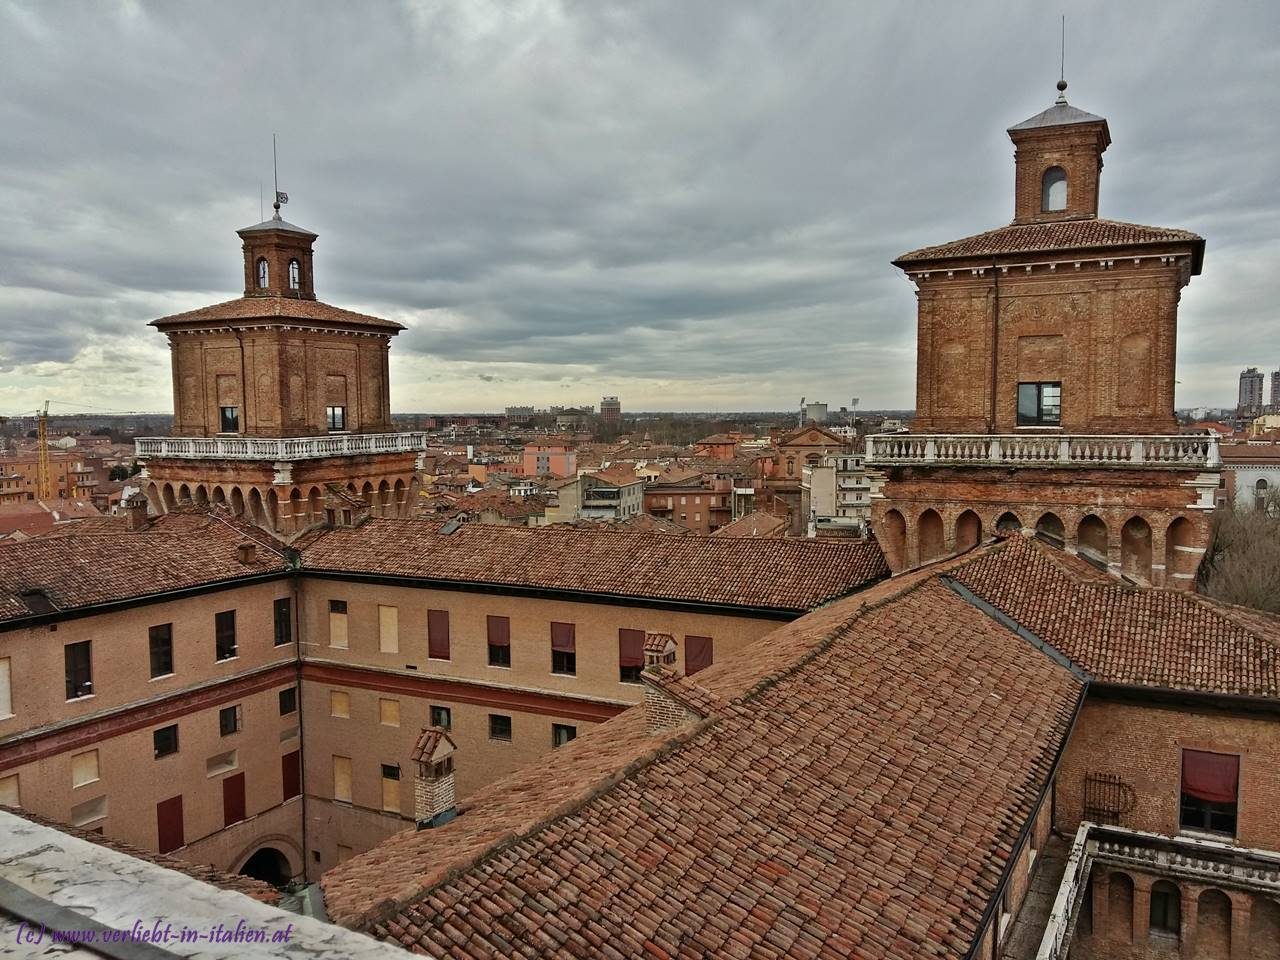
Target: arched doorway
(184,494)
(894,546)
(1120,907)
(219,496)
(1050,527)
(202,496)
(268,865)
(1135,549)
(968,531)
(933,543)
(1008,524)
(1091,538)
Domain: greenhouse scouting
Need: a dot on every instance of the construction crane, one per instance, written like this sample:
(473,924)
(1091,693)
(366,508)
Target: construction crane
(44,476)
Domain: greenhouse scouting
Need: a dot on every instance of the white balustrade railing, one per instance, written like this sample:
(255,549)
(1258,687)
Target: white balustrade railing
(1050,450)
(278,449)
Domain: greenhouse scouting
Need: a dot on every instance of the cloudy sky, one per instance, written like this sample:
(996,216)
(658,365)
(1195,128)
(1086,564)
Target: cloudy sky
(690,204)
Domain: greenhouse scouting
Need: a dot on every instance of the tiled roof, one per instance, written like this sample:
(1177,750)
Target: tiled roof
(1246,452)
(790,575)
(1125,635)
(1057,235)
(271,308)
(755,524)
(857,790)
(99,561)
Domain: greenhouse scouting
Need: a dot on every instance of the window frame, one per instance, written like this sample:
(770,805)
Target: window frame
(225,418)
(167,639)
(237,720)
(436,712)
(498,640)
(221,632)
(288,695)
(558,734)
(282,616)
(1047,185)
(79,676)
(335,418)
(1039,419)
(263,277)
(295,274)
(495,729)
(156,741)
(564,661)
(630,673)
(1207,810)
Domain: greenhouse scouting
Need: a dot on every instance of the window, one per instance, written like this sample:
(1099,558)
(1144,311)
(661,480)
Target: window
(229,720)
(340,704)
(1053,190)
(1260,495)
(295,275)
(342,778)
(338,624)
(263,273)
(390,788)
(224,628)
(442,768)
(388,629)
(9,795)
(160,640)
(165,740)
(499,641)
(1039,404)
(6,689)
(562,733)
(283,621)
(630,655)
(564,654)
(499,726)
(89,811)
(229,419)
(84,768)
(438,634)
(389,712)
(697,654)
(336,417)
(1210,785)
(1166,913)
(220,763)
(79,670)
(442,717)
(288,701)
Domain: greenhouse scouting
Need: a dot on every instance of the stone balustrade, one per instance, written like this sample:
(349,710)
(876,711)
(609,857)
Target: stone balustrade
(284,449)
(1043,450)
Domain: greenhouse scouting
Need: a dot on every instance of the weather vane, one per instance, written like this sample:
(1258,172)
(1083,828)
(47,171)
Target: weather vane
(281,196)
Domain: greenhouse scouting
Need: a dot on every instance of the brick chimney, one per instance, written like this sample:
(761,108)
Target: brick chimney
(245,552)
(434,801)
(135,512)
(662,711)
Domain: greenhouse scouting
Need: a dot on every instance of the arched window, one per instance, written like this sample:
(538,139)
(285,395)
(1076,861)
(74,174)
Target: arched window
(1053,190)
(262,273)
(1260,494)
(295,275)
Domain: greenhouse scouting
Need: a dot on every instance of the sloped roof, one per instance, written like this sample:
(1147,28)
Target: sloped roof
(276,223)
(275,308)
(754,524)
(1061,114)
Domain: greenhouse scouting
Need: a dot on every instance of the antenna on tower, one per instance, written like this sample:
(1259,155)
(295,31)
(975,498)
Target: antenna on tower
(1062,64)
(281,197)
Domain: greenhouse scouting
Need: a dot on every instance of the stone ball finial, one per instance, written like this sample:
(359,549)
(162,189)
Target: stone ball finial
(1062,86)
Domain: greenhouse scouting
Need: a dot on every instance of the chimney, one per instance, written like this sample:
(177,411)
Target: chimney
(245,552)
(662,711)
(135,512)
(434,802)
(659,651)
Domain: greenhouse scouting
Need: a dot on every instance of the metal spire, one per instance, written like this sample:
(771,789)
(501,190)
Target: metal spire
(281,197)
(1062,65)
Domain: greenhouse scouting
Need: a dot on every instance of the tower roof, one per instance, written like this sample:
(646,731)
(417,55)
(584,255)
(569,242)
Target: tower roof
(276,223)
(1059,115)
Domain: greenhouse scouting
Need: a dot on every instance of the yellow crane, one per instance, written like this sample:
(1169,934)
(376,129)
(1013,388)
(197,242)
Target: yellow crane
(44,476)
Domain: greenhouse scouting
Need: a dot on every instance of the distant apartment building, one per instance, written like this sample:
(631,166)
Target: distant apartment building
(548,458)
(835,495)
(612,494)
(1251,391)
(72,474)
(815,413)
(611,412)
(1275,391)
(1250,474)
(520,416)
(696,500)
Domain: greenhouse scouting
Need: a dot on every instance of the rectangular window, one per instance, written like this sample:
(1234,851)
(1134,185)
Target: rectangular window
(291,774)
(442,717)
(169,824)
(220,763)
(438,634)
(1039,404)
(6,689)
(499,641)
(165,740)
(389,712)
(229,420)
(562,733)
(388,629)
(160,641)
(630,655)
(79,669)
(564,649)
(1210,791)
(697,654)
(84,768)
(224,628)
(288,701)
(337,417)
(229,720)
(9,794)
(232,799)
(338,624)
(499,726)
(85,813)
(342,778)
(283,621)
(340,704)
(390,788)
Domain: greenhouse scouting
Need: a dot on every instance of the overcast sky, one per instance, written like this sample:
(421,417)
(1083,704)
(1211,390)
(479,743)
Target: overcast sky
(690,204)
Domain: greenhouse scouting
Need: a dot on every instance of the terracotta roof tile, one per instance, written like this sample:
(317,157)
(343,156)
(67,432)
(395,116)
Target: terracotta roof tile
(1091,234)
(275,308)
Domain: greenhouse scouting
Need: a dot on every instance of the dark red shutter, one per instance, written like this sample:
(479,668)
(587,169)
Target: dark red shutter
(438,634)
(169,824)
(499,631)
(232,799)
(631,648)
(562,637)
(697,654)
(291,774)
(1211,777)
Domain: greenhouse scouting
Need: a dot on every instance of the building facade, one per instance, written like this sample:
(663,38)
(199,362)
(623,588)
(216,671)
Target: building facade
(1249,402)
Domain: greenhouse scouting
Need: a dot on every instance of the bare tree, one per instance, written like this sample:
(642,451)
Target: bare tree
(1243,564)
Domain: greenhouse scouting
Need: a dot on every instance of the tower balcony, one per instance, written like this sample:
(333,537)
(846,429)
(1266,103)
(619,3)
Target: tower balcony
(282,449)
(1160,451)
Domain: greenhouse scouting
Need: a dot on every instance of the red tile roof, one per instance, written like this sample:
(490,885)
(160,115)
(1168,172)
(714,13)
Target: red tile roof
(783,575)
(1058,235)
(1249,452)
(276,308)
(754,524)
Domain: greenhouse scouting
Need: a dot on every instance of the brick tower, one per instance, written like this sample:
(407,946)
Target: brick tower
(279,400)
(1045,375)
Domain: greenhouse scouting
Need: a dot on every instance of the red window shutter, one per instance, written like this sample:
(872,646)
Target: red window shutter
(631,648)
(1211,777)
(438,634)
(499,631)
(291,774)
(697,654)
(169,824)
(563,637)
(232,799)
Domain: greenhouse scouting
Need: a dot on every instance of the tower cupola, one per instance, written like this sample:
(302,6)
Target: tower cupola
(1058,163)
(277,259)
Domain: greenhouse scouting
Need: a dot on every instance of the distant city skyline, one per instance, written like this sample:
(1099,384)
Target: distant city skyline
(693,208)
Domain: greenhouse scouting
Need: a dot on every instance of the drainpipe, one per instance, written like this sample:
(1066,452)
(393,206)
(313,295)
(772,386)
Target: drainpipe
(995,342)
(302,756)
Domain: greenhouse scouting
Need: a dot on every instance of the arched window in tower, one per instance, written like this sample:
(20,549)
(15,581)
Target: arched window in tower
(1053,190)
(295,275)
(262,273)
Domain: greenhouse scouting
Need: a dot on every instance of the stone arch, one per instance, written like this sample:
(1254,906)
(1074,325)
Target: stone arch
(167,497)
(1213,924)
(1264,929)
(1050,527)
(1120,907)
(400,508)
(201,495)
(268,865)
(932,537)
(1181,557)
(1092,537)
(384,499)
(296,510)
(1053,190)
(968,530)
(273,509)
(219,497)
(237,501)
(315,504)
(366,494)
(286,847)
(894,543)
(1165,912)
(1008,523)
(257,510)
(152,494)
(1135,549)
(184,493)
